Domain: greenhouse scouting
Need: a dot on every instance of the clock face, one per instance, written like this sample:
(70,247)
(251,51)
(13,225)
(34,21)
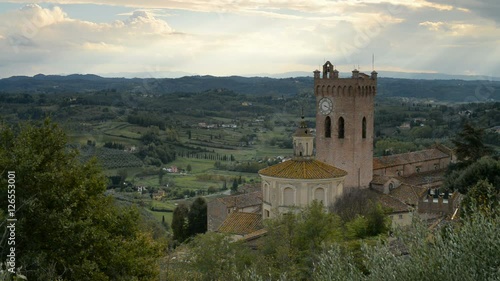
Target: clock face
(325,106)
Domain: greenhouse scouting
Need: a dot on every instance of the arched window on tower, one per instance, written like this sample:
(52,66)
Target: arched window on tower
(341,128)
(328,127)
(364,128)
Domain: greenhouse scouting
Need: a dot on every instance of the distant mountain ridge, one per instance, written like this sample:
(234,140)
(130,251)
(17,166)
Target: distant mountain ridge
(441,90)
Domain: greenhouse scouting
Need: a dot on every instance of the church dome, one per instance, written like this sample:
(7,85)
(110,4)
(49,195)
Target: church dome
(303,169)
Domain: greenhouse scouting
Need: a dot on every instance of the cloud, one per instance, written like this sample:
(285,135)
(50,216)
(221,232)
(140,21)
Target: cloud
(101,47)
(47,37)
(237,37)
(33,25)
(144,21)
(462,29)
(485,8)
(224,6)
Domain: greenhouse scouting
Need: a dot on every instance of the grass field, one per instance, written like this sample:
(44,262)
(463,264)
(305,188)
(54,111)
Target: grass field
(203,173)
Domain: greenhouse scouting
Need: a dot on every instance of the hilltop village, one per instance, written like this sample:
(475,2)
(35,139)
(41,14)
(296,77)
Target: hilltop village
(326,177)
(337,158)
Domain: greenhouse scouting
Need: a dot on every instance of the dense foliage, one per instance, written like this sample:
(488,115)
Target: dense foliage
(467,251)
(289,250)
(188,222)
(315,249)
(66,227)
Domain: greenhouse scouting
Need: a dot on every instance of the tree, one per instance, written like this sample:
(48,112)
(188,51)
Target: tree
(234,187)
(466,251)
(161,174)
(294,238)
(211,189)
(469,144)
(211,256)
(353,203)
(485,168)
(197,217)
(66,227)
(180,222)
(482,197)
(189,168)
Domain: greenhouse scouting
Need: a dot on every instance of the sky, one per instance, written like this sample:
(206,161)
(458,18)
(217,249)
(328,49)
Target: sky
(248,37)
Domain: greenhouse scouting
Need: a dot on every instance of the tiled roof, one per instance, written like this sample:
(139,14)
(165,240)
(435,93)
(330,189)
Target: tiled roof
(408,194)
(381,180)
(242,200)
(407,158)
(255,235)
(303,169)
(388,201)
(303,132)
(241,223)
(425,177)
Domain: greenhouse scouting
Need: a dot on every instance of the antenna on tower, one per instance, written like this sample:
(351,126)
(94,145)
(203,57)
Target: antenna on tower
(373,62)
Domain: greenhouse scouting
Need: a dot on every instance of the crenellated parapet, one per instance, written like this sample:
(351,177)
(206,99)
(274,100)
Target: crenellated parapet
(329,83)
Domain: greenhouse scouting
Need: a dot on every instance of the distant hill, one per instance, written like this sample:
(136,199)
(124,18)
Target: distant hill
(441,90)
(85,83)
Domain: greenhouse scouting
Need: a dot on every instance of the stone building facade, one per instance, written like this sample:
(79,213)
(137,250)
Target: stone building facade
(344,122)
(407,164)
(220,208)
(297,182)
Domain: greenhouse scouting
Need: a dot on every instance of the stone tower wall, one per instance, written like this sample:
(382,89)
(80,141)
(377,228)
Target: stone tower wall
(353,100)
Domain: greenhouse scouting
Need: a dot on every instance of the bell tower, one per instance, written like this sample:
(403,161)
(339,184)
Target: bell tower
(303,142)
(344,122)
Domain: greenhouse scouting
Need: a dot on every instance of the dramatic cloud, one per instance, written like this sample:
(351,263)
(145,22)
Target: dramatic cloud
(243,37)
(485,8)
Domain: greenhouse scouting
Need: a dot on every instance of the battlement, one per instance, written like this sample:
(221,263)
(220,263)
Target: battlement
(329,72)
(359,84)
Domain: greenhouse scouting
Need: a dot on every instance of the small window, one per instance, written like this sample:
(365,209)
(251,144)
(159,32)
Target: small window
(436,166)
(288,197)
(267,213)
(319,194)
(391,186)
(418,168)
(400,217)
(398,172)
(363,125)
(328,127)
(341,128)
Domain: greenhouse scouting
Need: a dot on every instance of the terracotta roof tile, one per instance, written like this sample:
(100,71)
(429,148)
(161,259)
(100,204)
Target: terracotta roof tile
(241,223)
(377,179)
(255,235)
(390,202)
(408,194)
(406,158)
(425,177)
(242,200)
(303,169)
(394,204)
